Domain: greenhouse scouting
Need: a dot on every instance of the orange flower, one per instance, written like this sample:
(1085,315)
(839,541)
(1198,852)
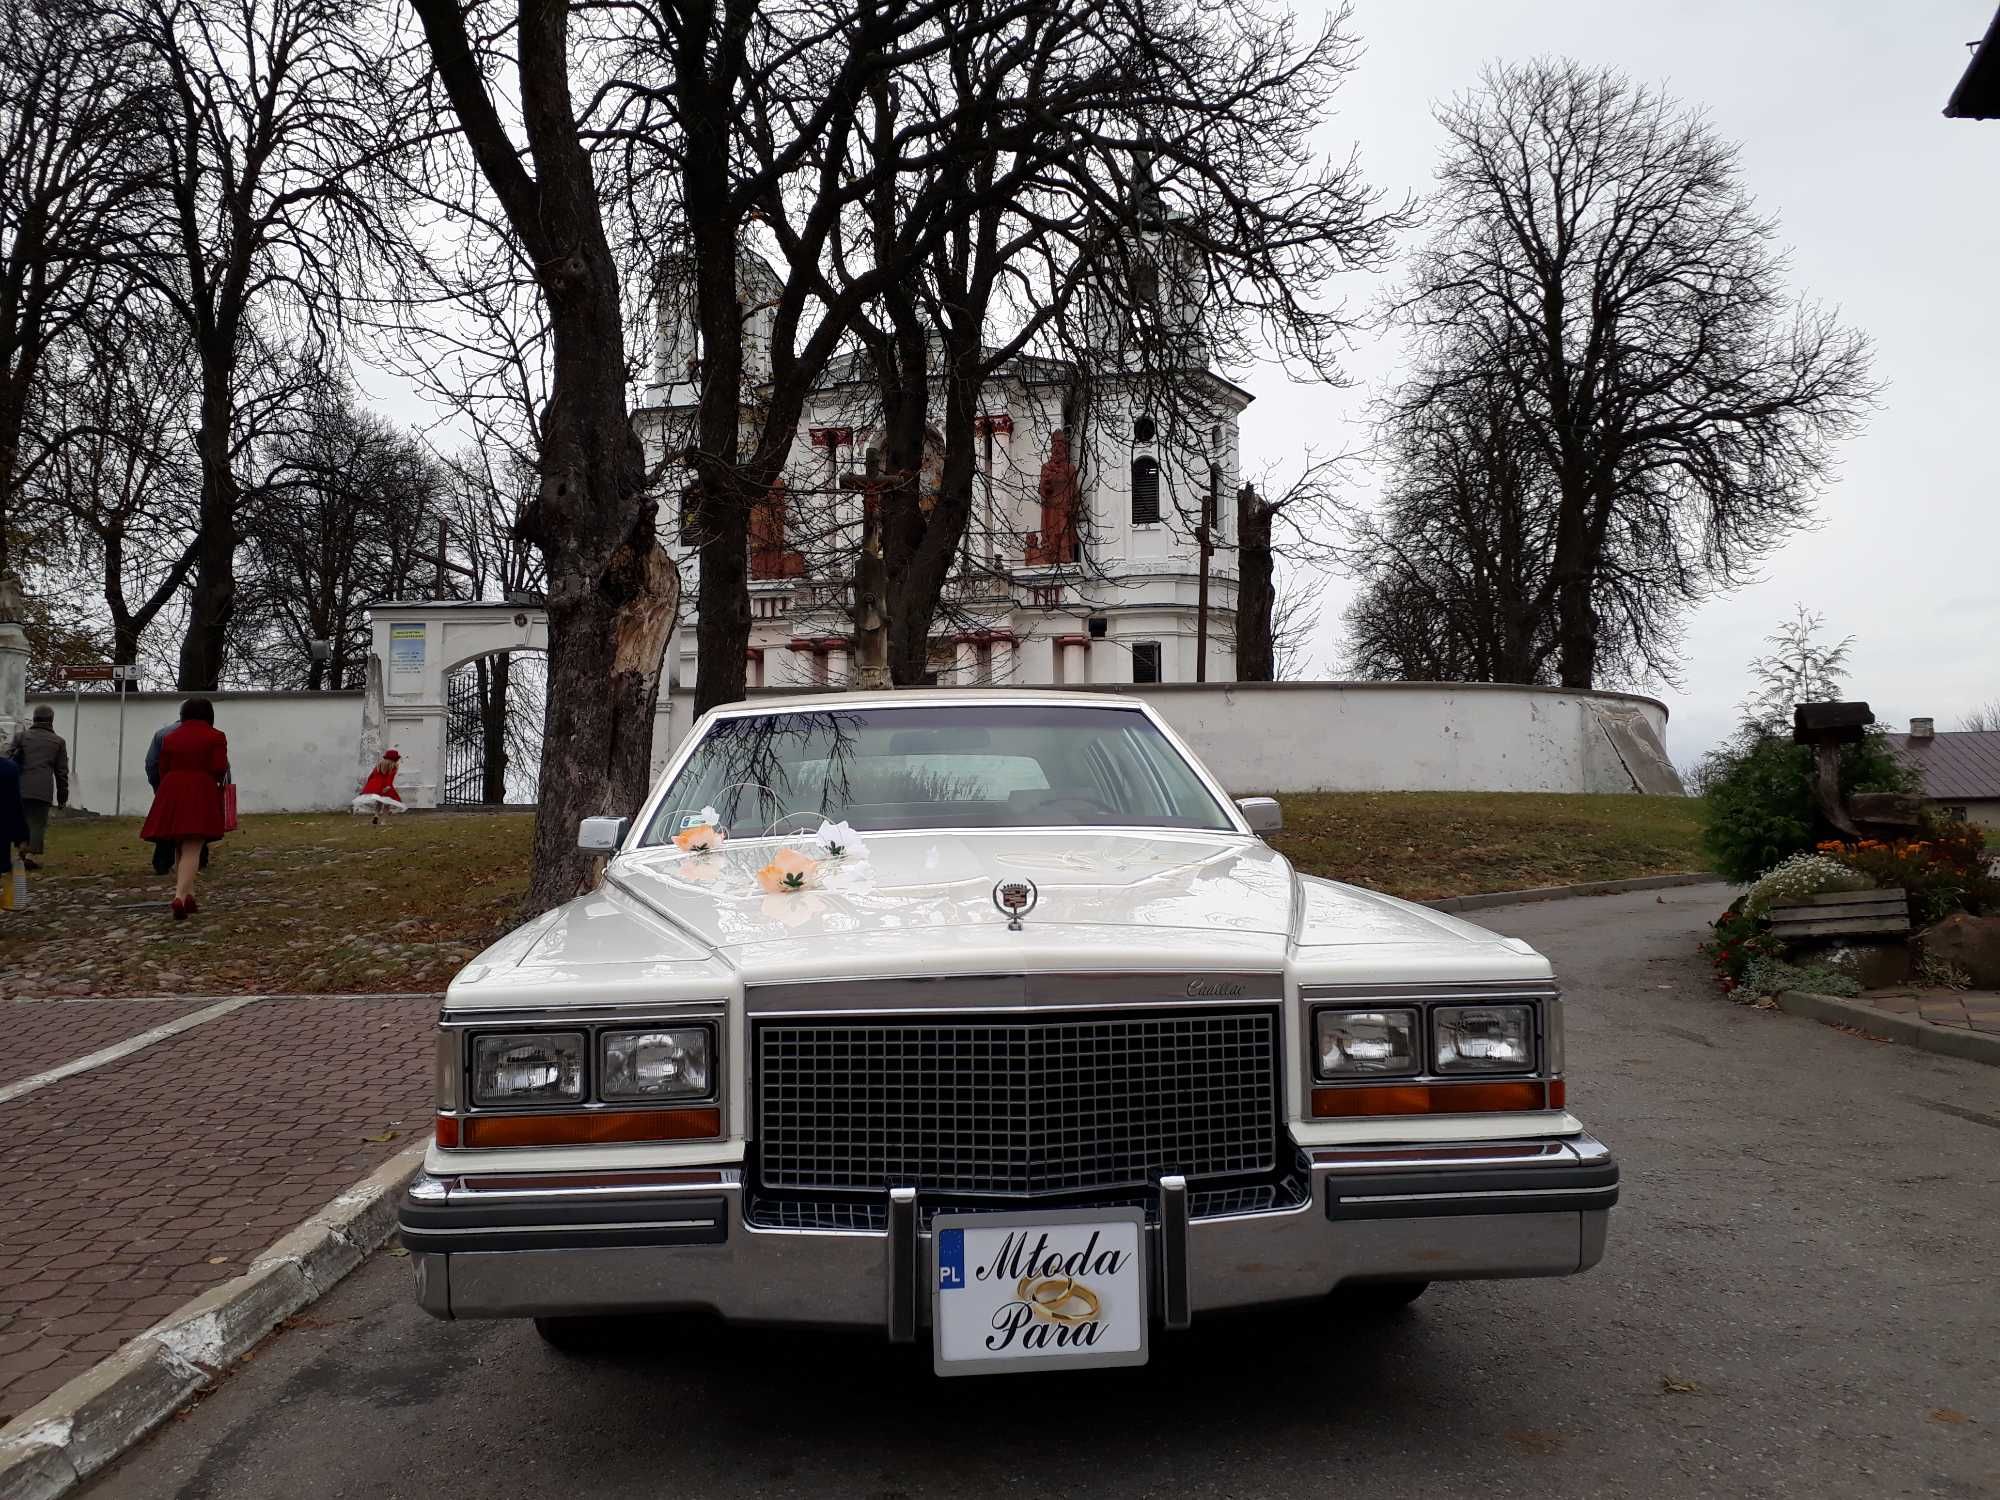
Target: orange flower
(788,871)
(702,838)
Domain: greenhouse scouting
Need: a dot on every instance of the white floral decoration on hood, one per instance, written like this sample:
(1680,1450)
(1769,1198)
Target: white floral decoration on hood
(841,841)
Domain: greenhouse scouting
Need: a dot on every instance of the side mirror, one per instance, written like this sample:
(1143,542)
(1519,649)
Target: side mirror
(602,835)
(1262,814)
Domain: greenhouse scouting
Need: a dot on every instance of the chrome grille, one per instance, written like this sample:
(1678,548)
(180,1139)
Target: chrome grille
(1016,1105)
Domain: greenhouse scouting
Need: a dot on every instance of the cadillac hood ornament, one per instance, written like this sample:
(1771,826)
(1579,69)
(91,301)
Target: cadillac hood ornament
(1015,898)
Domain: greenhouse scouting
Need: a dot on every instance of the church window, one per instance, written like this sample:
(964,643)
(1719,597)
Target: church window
(1145,490)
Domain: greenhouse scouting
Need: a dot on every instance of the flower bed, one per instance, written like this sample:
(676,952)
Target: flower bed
(1943,871)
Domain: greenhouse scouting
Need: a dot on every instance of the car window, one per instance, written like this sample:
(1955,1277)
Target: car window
(976,766)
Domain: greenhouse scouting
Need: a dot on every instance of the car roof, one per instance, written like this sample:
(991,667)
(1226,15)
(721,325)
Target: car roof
(928,698)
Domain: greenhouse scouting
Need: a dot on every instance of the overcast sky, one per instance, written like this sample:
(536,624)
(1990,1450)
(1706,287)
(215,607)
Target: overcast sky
(1892,215)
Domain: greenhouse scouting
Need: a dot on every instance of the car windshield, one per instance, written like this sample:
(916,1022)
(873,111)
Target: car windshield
(1027,765)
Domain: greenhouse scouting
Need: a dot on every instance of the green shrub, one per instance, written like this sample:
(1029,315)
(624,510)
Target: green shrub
(1769,976)
(1759,806)
(1739,940)
(1801,875)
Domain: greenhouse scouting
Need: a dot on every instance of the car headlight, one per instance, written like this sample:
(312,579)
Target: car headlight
(657,1063)
(528,1068)
(1367,1043)
(1484,1038)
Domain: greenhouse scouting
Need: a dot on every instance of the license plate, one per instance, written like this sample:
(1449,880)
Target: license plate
(1036,1291)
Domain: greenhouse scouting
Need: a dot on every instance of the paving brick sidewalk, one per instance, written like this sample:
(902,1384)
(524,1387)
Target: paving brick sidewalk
(38,1035)
(138,1184)
(1968,1010)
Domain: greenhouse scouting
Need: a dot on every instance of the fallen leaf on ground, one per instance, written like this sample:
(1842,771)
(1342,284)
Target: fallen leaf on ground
(218,1260)
(1946,1414)
(387,1136)
(1677,1386)
(398,1251)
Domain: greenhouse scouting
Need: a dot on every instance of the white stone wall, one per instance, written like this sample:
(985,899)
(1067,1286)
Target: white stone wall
(299,752)
(1375,737)
(291,752)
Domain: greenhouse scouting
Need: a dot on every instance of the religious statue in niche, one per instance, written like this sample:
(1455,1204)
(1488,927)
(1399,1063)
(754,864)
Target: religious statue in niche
(1060,492)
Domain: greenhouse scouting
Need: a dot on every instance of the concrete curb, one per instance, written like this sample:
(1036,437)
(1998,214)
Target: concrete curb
(1911,1031)
(70,1435)
(1564,892)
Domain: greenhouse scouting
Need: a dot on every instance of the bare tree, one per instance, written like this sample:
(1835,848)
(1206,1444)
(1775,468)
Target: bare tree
(73,154)
(1597,254)
(122,398)
(344,514)
(1161,207)
(1983,719)
(612,592)
(269,116)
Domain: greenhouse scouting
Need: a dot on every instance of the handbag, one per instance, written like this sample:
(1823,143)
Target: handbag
(229,808)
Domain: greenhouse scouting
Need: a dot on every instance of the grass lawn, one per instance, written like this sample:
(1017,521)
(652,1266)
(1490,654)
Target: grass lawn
(290,903)
(1423,845)
(325,903)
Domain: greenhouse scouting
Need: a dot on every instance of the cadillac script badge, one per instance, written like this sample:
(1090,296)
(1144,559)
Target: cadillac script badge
(1016,898)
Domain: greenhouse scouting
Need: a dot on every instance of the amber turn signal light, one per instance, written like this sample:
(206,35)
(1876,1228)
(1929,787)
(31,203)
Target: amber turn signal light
(1435,1098)
(586,1128)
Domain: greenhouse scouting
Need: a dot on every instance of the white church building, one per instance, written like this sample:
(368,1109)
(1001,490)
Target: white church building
(1112,598)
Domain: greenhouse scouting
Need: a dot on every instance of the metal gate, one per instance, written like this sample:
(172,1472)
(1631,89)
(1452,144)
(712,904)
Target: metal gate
(493,709)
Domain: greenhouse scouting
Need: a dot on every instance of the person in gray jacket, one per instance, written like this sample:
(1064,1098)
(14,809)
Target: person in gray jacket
(43,758)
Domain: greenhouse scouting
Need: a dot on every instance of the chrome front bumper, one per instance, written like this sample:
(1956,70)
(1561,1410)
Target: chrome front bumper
(635,1243)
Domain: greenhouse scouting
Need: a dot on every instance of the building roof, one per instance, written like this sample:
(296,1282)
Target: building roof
(1957,766)
(1977,96)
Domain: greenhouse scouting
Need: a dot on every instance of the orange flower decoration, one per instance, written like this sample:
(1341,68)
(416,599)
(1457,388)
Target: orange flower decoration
(702,838)
(788,871)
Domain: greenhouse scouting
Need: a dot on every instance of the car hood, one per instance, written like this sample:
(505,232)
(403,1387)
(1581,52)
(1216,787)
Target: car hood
(1211,900)
(666,924)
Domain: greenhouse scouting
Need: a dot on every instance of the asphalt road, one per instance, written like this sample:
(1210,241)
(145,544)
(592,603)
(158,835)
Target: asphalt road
(1801,1297)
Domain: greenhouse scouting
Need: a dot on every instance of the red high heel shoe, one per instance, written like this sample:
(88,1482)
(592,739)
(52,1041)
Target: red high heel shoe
(180,909)
(193,906)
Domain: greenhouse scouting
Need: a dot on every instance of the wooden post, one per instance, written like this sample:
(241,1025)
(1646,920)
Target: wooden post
(1826,727)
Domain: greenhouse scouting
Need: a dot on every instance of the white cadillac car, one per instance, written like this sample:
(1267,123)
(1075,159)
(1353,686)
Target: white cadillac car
(985,1018)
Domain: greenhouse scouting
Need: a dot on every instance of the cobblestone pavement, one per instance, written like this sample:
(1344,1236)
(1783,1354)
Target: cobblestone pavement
(38,1035)
(1968,1010)
(138,1184)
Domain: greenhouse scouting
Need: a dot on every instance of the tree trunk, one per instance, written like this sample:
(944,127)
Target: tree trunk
(212,600)
(612,594)
(1574,567)
(914,564)
(722,499)
(1256,593)
(612,590)
(495,672)
(13,416)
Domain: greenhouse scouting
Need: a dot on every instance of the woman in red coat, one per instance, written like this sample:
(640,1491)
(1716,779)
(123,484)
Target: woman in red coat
(187,808)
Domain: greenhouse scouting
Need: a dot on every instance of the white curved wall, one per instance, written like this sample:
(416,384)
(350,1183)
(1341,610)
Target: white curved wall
(1393,736)
(301,752)
(1418,737)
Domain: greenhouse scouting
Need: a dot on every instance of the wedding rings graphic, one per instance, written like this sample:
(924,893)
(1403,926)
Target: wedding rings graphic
(1062,1300)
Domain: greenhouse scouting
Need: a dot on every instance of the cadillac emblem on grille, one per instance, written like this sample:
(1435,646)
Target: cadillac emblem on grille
(1015,898)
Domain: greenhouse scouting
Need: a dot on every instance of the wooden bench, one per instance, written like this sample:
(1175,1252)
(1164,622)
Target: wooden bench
(1841,914)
